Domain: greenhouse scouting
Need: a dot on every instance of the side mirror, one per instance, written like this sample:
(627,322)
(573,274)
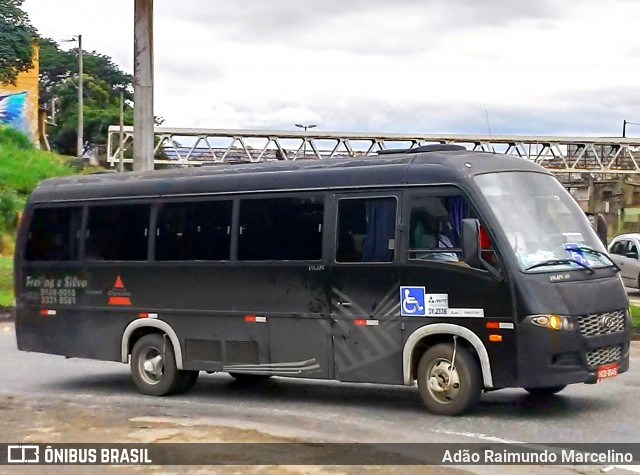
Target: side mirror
(471,248)
(471,242)
(632,255)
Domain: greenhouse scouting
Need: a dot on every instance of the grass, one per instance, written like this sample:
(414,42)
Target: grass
(635,316)
(6,281)
(22,167)
(21,170)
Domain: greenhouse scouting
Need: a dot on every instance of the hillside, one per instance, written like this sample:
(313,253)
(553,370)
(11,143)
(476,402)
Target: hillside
(21,168)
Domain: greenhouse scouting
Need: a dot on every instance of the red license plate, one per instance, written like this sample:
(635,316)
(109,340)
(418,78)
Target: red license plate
(607,371)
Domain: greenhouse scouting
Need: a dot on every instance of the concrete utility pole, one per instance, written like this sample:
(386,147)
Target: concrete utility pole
(80,150)
(121,163)
(143,144)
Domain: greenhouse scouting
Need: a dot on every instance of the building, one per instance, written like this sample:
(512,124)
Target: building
(19,104)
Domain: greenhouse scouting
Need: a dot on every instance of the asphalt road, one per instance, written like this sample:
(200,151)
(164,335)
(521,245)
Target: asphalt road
(328,411)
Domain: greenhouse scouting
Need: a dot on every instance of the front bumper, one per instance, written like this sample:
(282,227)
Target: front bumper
(555,358)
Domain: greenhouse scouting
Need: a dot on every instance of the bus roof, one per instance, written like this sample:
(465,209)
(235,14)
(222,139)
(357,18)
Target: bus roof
(442,167)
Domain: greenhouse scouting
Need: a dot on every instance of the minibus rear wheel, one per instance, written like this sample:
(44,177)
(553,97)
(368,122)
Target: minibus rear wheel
(448,390)
(546,391)
(154,370)
(190,379)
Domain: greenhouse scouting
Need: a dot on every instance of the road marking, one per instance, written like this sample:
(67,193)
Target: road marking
(475,435)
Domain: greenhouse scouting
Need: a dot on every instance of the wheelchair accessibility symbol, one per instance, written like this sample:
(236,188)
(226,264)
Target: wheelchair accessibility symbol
(412,302)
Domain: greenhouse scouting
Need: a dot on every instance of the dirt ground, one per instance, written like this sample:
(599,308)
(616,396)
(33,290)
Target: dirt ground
(26,420)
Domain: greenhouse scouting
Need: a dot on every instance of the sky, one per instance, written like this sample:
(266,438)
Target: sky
(543,67)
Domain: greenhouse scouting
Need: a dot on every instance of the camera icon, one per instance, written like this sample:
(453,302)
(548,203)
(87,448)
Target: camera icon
(23,454)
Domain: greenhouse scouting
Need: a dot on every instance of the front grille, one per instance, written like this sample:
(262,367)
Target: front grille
(604,355)
(602,323)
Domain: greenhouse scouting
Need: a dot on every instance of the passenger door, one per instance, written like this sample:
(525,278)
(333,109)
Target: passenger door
(364,288)
(279,252)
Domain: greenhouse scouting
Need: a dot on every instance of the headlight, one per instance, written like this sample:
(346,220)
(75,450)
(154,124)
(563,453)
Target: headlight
(553,322)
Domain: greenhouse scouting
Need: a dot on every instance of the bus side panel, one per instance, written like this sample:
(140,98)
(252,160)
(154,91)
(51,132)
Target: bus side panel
(38,333)
(477,291)
(70,310)
(210,341)
(248,314)
(71,333)
(296,340)
(96,334)
(366,326)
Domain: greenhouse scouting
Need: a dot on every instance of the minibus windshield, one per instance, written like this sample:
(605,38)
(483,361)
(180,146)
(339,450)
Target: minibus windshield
(546,228)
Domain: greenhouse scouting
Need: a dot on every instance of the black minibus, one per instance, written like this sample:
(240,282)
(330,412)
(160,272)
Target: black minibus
(454,270)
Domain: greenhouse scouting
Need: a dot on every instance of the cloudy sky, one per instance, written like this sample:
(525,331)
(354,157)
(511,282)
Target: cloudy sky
(553,67)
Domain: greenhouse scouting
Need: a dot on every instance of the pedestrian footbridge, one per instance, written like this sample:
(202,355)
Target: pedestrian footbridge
(595,155)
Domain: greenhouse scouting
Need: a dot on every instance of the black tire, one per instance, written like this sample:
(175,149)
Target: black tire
(436,362)
(546,391)
(250,378)
(165,378)
(190,379)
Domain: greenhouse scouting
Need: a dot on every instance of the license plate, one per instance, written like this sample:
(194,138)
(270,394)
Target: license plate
(607,371)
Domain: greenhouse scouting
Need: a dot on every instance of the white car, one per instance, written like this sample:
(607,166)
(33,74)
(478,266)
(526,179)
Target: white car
(623,250)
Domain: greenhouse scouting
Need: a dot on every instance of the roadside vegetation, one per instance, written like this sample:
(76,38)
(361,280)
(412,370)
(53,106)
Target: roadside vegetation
(635,316)
(22,166)
(6,281)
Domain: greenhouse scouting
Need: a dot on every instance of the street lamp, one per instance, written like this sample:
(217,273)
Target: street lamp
(305,127)
(624,127)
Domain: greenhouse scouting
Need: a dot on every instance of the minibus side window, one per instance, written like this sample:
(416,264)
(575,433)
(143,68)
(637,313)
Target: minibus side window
(194,231)
(118,233)
(366,230)
(54,234)
(435,225)
(281,229)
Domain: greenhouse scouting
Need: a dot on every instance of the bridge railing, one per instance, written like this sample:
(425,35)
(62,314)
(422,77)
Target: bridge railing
(600,155)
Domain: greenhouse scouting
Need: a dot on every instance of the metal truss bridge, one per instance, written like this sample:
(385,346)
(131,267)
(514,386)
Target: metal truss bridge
(579,155)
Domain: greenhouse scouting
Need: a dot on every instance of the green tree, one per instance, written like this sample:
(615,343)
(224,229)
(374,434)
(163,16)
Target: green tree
(56,66)
(16,41)
(101,109)
(103,82)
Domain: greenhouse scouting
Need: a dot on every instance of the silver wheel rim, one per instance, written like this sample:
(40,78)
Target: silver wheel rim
(443,381)
(151,366)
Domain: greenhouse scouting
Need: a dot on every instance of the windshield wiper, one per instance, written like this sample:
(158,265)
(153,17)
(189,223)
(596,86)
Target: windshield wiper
(595,252)
(559,262)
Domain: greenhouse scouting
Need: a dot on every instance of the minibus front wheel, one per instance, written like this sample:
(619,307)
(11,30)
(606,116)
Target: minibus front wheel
(449,389)
(154,370)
